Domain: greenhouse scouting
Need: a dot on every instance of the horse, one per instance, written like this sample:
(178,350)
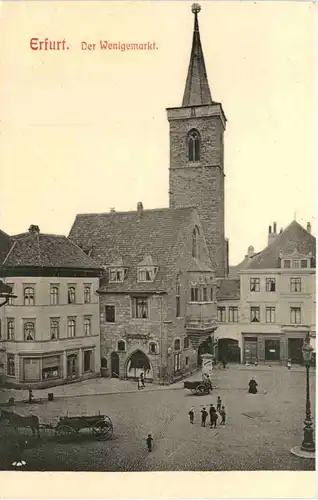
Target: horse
(17,421)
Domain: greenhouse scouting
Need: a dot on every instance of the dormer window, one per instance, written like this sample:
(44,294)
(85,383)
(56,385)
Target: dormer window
(116,274)
(147,273)
(147,269)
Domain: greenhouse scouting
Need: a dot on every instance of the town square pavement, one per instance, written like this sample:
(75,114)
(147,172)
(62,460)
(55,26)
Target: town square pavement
(259,433)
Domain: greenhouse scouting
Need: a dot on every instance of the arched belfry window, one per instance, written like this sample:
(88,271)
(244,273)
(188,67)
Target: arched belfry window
(195,242)
(194,145)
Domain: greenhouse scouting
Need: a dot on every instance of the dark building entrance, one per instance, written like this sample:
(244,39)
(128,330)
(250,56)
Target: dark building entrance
(114,365)
(294,350)
(272,350)
(228,350)
(250,349)
(205,348)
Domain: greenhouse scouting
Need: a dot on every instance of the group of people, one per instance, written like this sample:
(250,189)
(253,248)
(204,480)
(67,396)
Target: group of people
(214,414)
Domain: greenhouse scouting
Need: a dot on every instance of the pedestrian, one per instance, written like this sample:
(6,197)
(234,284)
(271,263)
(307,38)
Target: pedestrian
(139,384)
(252,386)
(149,442)
(191,415)
(218,404)
(212,412)
(223,415)
(31,397)
(142,380)
(289,364)
(209,383)
(204,415)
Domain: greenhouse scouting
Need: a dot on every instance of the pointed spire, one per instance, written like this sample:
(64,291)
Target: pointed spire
(197,89)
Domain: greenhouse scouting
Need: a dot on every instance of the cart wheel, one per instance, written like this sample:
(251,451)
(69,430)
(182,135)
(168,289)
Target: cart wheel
(64,432)
(201,390)
(103,429)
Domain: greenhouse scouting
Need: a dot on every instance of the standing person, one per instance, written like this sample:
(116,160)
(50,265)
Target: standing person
(212,412)
(213,417)
(142,380)
(209,383)
(289,364)
(204,415)
(139,384)
(218,404)
(223,415)
(191,415)
(252,386)
(149,442)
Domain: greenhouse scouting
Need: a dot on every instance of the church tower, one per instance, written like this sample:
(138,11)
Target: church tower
(196,174)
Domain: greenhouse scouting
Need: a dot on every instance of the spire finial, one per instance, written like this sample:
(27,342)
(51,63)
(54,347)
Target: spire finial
(195,8)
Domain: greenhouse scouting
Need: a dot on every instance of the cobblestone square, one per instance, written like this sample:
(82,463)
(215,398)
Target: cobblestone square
(259,433)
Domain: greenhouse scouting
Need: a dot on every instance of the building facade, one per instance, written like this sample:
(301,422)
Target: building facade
(275,293)
(158,296)
(49,333)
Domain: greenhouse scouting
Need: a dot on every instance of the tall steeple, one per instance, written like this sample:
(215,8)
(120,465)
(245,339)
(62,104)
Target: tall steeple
(197,90)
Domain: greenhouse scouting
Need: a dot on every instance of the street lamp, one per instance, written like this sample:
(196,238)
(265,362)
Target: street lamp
(5,293)
(307,448)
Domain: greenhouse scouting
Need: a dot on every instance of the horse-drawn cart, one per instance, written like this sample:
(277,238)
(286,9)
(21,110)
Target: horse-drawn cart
(197,387)
(99,426)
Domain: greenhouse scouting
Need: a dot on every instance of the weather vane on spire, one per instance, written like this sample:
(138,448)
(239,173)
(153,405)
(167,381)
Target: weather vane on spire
(195,8)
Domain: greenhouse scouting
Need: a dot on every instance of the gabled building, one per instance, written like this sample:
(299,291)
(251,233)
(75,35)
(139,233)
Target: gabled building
(277,298)
(49,333)
(158,295)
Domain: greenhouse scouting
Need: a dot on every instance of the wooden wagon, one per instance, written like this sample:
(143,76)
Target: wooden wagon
(197,387)
(101,426)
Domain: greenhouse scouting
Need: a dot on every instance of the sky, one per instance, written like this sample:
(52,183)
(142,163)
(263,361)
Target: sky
(84,131)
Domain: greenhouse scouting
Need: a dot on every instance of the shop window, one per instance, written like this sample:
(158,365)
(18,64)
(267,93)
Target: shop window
(50,367)
(72,366)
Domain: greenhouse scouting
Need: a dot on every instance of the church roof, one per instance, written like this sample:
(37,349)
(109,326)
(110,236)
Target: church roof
(293,238)
(197,90)
(134,235)
(46,251)
(5,245)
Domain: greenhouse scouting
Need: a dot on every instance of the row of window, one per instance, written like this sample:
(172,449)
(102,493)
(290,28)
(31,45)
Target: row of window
(270,284)
(153,346)
(295,263)
(29,294)
(144,274)
(255,314)
(29,328)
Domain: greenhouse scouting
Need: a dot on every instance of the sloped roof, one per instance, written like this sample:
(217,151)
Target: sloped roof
(229,289)
(5,245)
(133,236)
(46,250)
(198,266)
(294,237)
(197,90)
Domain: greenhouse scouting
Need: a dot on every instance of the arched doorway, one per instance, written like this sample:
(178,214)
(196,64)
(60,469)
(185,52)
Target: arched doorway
(228,349)
(114,365)
(138,363)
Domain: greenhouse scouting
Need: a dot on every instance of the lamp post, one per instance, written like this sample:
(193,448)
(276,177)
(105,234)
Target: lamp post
(307,448)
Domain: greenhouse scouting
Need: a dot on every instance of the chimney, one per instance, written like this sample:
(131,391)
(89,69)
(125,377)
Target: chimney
(140,208)
(250,252)
(112,210)
(34,229)
(272,235)
(308,227)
